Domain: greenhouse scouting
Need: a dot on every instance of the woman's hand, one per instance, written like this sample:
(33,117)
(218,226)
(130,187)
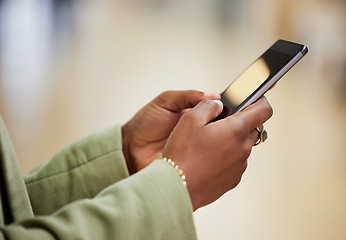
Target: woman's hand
(145,135)
(213,155)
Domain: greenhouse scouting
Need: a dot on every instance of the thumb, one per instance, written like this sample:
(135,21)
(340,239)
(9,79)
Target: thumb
(205,111)
(177,101)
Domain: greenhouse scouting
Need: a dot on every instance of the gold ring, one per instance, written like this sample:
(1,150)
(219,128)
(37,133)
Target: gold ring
(262,136)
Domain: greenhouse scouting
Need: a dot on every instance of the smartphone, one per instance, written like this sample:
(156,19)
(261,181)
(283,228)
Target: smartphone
(261,75)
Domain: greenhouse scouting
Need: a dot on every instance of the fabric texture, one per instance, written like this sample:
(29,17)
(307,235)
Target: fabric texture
(85,192)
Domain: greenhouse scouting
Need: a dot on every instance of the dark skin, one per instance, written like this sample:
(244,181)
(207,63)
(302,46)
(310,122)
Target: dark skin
(177,125)
(146,134)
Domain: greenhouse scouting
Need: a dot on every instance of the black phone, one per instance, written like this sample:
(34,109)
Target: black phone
(261,75)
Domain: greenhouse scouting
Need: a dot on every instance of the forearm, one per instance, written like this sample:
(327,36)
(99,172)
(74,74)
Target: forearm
(80,170)
(152,204)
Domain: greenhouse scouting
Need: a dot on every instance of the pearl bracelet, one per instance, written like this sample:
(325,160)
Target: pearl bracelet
(179,171)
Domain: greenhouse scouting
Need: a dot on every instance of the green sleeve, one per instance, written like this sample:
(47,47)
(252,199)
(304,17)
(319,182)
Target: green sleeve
(80,170)
(152,204)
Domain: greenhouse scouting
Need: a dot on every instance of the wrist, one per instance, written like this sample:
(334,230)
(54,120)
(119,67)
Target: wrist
(127,150)
(176,167)
(188,181)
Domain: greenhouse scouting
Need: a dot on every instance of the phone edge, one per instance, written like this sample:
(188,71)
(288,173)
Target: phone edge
(274,79)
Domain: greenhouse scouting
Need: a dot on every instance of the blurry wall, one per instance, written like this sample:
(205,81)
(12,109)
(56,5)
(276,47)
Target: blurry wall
(69,68)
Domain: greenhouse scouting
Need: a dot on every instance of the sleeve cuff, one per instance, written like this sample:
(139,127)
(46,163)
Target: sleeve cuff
(80,170)
(160,200)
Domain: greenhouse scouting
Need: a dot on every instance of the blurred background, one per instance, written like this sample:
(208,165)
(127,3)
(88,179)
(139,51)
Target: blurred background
(72,67)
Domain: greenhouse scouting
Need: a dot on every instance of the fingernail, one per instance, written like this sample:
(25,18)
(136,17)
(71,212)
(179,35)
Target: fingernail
(218,102)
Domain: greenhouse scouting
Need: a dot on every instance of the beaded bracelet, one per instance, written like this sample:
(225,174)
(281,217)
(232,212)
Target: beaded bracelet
(179,171)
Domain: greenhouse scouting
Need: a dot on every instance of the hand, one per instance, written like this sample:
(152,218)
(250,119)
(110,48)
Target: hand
(213,155)
(145,135)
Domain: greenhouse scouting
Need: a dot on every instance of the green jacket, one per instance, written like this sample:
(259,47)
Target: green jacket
(85,192)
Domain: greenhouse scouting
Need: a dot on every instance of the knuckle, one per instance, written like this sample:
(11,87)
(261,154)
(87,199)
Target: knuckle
(268,110)
(244,166)
(162,97)
(242,162)
(165,94)
(245,151)
(189,116)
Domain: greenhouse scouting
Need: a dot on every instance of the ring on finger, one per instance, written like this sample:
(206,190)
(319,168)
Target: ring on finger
(262,136)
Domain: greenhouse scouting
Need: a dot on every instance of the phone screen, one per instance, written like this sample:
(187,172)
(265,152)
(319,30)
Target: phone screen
(266,70)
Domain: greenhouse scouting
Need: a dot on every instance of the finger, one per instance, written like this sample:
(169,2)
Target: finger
(204,112)
(260,128)
(179,100)
(255,135)
(255,115)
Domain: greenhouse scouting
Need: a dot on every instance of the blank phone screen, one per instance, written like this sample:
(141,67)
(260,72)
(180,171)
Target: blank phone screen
(256,75)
